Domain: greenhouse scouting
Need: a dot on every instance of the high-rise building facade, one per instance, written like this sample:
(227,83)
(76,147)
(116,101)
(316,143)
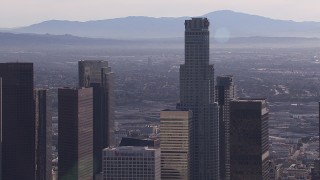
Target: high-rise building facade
(75,128)
(18,122)
(98,75)
(134,163)
(315,171)
(0,128)
(249,145)
(175,127)
(197,95)
(90,72)
(224,93)
(43,120)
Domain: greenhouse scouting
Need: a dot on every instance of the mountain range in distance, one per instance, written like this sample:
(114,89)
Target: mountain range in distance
(224,24)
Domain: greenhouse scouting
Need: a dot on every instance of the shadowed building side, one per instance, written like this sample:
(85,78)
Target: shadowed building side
(43,119)
(97,74)
(0,128)
(315,171)
(129,141)
(249,139)
(75,139)
(224,93)
(107,81)
(18,122)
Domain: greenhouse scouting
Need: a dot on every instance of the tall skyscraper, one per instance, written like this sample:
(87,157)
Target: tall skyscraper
(224,93)
(43,135)
(0,128)
(129,162)
(249,145)
(315,171)
(197,95)
(75,127)
(175,127)
(97,74)
(18,122)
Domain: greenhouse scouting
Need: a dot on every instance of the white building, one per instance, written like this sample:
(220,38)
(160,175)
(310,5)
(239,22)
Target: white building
(134,163)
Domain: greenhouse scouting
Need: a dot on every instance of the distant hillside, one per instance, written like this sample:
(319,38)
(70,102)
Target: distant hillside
(120,28)
(223,23)
(244,25)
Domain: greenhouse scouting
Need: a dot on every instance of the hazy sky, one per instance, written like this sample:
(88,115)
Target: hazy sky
(15,13)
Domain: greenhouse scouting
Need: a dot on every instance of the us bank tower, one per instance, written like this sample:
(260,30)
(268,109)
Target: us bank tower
(197,94)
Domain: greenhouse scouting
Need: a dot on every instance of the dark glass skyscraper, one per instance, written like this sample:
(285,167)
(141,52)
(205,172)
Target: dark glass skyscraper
(249,139)
(43,135)
(18,122)
(197,95)
(315,171)
(75,139)
(97,74)
(0,128)
(224,94)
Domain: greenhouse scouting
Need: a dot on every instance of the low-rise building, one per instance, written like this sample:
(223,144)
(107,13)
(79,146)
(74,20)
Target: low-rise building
(134,163)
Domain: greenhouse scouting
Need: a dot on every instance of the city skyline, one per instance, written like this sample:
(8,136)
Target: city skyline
(221,126)
(73,10)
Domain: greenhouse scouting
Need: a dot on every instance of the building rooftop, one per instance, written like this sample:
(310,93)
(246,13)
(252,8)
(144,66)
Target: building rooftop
(126,148)
(250,99)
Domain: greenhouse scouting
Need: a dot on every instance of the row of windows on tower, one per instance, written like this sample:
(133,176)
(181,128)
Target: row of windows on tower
(197,33)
